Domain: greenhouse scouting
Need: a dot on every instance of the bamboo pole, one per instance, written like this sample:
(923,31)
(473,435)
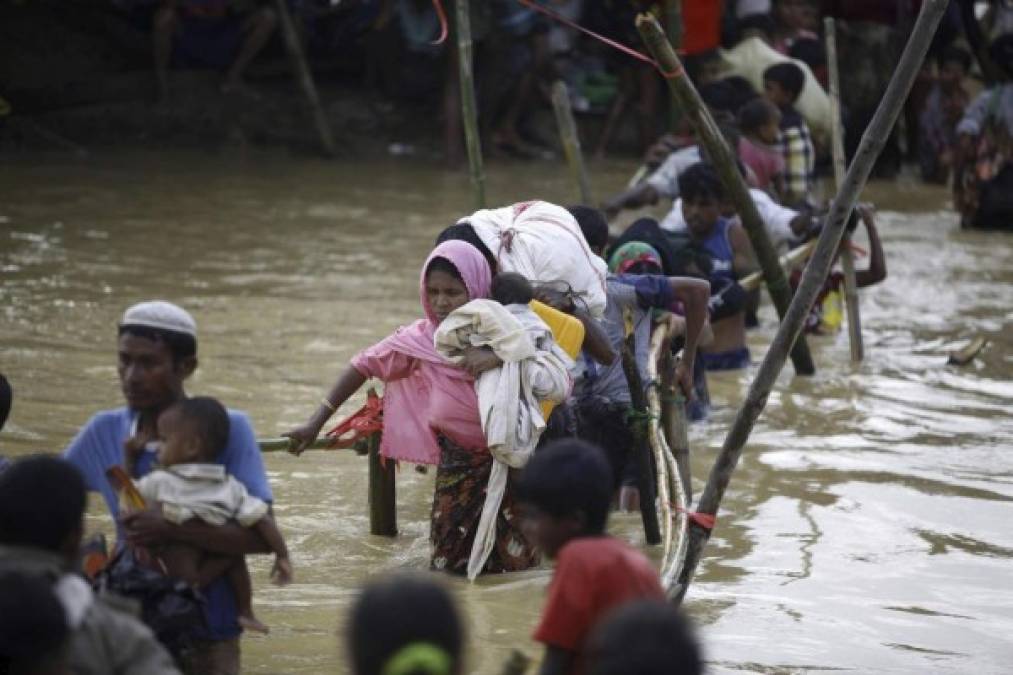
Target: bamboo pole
(792,258)
(673,22)
(305,77)
(686,98)
(675,424)
(816,272)
(646,469)
(670,479)
(674,29)
(840,169)
(283,444)
(382,497)
(469,110)
(570,138)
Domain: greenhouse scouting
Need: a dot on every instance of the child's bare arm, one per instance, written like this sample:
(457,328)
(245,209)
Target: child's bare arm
(133,447)
(348,383)
(281,572)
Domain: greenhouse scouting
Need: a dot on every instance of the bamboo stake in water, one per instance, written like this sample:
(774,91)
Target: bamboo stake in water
(642,447)
(686,98)
(283,444)
(840,168)
(382,492)
(303,74)
(469,110)
(570,138)
(815,274)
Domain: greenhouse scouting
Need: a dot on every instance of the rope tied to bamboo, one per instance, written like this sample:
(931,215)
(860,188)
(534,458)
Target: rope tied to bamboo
(364,422)
(705,520)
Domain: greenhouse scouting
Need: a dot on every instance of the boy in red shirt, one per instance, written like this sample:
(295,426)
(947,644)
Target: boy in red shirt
(566,492)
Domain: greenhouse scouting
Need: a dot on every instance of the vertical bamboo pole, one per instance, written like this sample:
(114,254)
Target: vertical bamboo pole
(673,28)
(673,23)
(674,423)
(645,465)
(686,98)
(382,497)
(571,139)
(305,77)
(469,110)
(840,168)
(815,274)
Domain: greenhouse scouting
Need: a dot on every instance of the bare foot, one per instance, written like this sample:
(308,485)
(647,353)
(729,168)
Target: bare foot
(253,623)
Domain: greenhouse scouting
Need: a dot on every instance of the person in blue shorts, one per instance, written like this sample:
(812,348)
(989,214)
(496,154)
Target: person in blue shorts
(157,352)
(726,244)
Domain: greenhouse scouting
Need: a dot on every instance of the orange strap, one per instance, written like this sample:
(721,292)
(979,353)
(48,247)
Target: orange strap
(704,520)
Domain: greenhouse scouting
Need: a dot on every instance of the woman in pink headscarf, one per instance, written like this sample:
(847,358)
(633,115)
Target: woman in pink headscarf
(431,413)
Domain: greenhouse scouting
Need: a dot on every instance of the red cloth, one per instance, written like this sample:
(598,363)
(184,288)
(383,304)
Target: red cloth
(764,161)
(593,576)
(701,26)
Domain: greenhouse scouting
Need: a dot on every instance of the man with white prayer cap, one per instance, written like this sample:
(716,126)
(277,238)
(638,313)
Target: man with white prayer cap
(157,352)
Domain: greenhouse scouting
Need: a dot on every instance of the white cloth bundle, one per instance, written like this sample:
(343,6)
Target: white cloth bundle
(543,243)
(534,368)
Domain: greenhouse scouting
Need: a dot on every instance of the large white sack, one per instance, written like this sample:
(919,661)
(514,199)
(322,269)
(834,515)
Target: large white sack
(543,242)
(752,56)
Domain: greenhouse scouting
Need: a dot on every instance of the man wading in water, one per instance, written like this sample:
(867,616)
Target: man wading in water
(157,351)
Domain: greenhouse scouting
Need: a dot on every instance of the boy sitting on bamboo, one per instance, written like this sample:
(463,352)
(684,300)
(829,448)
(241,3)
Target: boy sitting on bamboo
(190,484)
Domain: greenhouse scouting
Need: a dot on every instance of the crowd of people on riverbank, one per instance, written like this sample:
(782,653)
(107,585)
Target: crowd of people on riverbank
(521,48)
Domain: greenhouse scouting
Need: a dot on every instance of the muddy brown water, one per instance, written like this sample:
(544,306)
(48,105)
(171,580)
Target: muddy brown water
(866,528)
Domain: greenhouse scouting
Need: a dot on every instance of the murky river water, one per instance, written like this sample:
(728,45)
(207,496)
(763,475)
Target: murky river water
(867,527)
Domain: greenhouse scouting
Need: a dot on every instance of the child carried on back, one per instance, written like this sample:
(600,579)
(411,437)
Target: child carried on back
(533,369)
(190,484)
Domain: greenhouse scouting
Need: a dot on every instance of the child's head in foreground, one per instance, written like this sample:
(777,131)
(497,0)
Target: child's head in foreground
(783,83)
(510,288)
(647,637)
(566,491)
(33,627)
(42,501)
(405,624)
(194,430)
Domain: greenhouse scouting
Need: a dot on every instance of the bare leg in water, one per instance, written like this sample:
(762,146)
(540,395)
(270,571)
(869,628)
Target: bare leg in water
(164,27)
(257,29)
(199,569)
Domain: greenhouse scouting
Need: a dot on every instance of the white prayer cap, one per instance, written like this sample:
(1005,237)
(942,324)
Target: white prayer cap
(160,314)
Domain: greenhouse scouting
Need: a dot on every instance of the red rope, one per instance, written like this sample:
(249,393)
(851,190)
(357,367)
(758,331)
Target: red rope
(640,56)
(704,520)
(364,422)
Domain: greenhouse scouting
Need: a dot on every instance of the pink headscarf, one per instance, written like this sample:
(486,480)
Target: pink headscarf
(416,340)
(438,392)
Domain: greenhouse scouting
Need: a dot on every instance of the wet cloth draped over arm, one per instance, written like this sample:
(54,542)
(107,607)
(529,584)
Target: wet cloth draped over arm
(423,391)
(534,368)
(543,242)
